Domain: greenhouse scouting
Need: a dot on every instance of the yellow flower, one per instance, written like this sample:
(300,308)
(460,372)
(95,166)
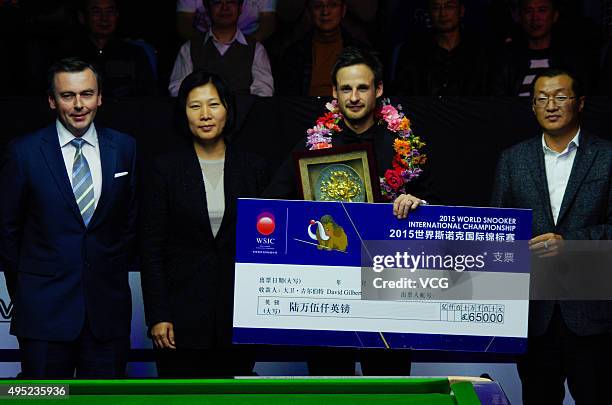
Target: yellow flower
(405,124)
(402,147)
(417,143)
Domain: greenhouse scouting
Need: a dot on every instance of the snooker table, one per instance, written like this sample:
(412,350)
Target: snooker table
(260,391)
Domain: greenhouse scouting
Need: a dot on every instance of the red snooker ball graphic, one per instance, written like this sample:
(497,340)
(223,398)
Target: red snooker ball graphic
(265,223)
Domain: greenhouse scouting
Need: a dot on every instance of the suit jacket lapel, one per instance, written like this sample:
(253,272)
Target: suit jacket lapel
(52,154)
(585,155)
(194,191)
(539,177)
(108,162)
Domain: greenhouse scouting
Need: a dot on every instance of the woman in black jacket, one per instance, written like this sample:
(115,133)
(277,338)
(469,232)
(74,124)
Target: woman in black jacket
(189,236)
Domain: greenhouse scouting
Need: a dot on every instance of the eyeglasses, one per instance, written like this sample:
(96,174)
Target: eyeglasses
(559,100)
(218,3)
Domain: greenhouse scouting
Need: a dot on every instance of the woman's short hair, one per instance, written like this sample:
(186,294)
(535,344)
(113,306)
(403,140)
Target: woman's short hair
(197,79)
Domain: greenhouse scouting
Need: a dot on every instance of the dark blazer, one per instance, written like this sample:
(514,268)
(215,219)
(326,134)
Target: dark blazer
(187,274)
(586,214)
(58,271)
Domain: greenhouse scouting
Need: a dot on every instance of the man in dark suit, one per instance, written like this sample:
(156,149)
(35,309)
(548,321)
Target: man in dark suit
(67,217)
(564,177)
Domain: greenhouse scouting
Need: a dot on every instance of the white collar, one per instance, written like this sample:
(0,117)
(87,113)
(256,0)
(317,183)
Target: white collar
(65,136)
(575,142)
(238,36)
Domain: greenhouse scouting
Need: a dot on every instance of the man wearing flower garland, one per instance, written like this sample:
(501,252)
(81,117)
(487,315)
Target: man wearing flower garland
(357,86)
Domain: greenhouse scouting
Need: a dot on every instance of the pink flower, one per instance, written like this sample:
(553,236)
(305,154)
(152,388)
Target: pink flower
(394,124)
(388,110)
(389,113)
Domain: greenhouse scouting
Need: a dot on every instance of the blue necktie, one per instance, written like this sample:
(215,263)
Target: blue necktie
(82,183)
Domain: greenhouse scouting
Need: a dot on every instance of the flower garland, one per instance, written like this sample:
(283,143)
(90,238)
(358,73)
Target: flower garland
(407,161)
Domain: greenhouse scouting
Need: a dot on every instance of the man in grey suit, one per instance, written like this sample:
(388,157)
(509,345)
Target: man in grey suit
(564,176)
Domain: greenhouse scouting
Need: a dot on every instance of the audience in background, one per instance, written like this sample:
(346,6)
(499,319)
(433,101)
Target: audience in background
(125,67)
(446,62)
(401,20)
(520,37)
(307,63)
(44,25)
(224,50)
(360,19)
(257,20)
(539,48)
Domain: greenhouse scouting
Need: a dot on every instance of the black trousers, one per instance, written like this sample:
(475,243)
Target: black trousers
(205,363)
(84,357)
(561,354)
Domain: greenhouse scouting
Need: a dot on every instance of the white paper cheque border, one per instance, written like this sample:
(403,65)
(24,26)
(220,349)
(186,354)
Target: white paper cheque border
(329,298)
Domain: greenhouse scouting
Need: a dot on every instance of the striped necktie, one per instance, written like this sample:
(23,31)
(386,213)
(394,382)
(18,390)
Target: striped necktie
(82,183)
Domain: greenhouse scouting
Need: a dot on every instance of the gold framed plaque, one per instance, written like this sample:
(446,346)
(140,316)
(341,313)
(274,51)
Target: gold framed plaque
(344,173)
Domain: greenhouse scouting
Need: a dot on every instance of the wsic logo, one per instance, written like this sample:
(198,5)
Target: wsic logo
(265,227)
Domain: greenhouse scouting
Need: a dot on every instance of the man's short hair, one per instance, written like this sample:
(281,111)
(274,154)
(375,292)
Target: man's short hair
(82,5)
(351,56)
(70,65)
(309,2)
(459,2)
(577,86)
(553,3)
(199,78)
(207,3)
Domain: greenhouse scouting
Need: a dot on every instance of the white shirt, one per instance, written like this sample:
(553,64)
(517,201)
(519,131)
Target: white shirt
(212,173)
(558,169)
(91,151)
(263,83)
(248,22)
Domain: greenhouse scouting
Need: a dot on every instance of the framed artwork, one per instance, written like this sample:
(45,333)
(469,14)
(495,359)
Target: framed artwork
(343,173)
